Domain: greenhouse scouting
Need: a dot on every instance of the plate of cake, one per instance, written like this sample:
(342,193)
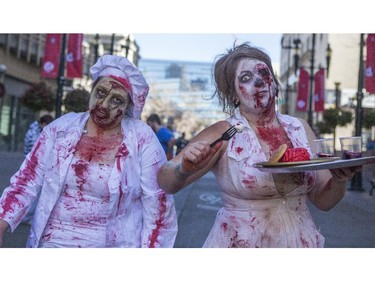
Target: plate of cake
(292,160)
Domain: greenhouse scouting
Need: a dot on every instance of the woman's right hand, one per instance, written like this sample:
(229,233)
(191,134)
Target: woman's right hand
(191,163)
(197,155)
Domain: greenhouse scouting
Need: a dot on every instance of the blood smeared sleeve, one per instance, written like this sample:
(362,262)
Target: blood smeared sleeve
(25,184)
(159,213)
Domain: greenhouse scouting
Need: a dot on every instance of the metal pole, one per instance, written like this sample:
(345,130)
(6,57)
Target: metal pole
(310,113)
(287,82)
(289,48)
(337,103)
(127,46)
(11,119)
(112,43)
(337,94)
(356,182)
(96,46)
(61,77)
(358,109)
(3,70)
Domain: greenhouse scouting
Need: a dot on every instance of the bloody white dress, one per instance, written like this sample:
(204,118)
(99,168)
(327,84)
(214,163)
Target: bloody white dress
(139,213)
(81,214)
(255,214)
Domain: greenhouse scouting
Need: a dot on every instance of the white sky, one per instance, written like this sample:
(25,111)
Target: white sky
(201,47)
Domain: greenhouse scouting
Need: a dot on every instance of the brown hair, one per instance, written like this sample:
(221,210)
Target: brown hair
(154,118)
(46,119)
(225,71)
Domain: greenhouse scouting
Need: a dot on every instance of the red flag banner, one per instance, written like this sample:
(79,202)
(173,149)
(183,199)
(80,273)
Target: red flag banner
(319,91)
(370,64)
(74,56)
(51,59)
(302,90)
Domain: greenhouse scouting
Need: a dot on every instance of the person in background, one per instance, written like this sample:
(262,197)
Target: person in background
(165,136)
(96,172)
(34,131)
(370,146)
(180,143)
(261,209)
(31,136)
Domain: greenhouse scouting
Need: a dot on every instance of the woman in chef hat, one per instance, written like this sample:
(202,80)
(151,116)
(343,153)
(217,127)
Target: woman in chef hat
(97,172)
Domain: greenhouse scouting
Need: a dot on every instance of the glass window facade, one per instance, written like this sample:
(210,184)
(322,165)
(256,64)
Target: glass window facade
(187,85)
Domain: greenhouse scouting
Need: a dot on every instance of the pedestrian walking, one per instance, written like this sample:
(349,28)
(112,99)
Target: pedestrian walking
(180,143)
(31,136)
(33,132)
(164,135)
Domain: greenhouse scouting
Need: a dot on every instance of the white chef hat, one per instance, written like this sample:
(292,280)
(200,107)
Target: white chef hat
(128,75)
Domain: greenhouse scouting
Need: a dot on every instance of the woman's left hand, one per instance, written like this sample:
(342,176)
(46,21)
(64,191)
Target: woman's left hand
(344,174)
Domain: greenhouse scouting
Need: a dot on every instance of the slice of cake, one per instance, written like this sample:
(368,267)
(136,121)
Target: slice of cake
(285,154)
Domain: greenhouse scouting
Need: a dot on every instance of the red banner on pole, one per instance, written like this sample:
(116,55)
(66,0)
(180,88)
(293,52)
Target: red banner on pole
(370,64)
(319,91)
(302,90)
(74,56)
(51,58)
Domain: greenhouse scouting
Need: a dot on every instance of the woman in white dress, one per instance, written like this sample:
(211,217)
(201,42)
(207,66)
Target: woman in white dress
(97,172)
(260,209)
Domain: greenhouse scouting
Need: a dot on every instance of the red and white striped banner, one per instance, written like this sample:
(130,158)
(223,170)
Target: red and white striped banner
(74,56)
(370,64)
(51,58)
(302,90)
(319,91)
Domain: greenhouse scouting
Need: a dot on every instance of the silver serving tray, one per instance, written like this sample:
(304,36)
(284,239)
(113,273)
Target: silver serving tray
(313,164)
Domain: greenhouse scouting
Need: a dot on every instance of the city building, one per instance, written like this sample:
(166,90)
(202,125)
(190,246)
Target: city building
(181,92)
(337,54)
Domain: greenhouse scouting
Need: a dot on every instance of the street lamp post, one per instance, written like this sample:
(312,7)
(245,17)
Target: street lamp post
(337,94)
(3,70)
(61,77)
(310,112)
(358,109)
(96,46)
(337,104)
(112,44)
(312,68)
(356,182)
(289,47)
(296,43)
(127,47)
(328,57)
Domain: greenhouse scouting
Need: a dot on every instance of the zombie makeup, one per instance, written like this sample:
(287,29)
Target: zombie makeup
(255,84)
(109,102)
(257,91)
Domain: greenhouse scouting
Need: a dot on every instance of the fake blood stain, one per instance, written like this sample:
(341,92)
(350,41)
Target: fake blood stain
(98,149)
(102,117)
(26,175)
(153,238)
